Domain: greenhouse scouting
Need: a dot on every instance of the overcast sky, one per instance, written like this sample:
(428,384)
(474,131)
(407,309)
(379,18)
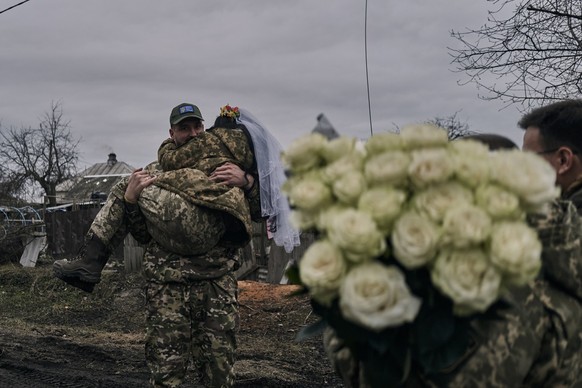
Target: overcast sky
(118,67)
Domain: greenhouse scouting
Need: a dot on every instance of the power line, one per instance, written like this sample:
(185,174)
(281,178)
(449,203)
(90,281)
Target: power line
(367,78)
(14,6)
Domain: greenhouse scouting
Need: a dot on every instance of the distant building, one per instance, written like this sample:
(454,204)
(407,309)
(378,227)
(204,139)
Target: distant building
(325,128)
(94,183)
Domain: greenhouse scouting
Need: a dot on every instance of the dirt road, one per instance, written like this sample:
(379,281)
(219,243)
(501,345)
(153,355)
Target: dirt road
(55,336)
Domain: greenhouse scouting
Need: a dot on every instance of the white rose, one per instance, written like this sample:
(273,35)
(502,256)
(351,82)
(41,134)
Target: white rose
(463,146)
(471,161)
(498,202)
(467,278)
(388,168)
(338,148)
(309,194)
(384,204)
(304,153)
(383,142)
(334,171)
(414,240)
(515,251)
(326,216)
(465,225)
(322,269)
(356,234)
(423,136)
(303,220)
(377,297)
(430,166)
(349,187)
(434,201)
(527,175)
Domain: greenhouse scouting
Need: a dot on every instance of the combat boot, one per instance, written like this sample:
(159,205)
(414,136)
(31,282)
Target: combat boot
(84,271)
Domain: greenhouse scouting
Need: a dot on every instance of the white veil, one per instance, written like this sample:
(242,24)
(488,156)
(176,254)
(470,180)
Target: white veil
(274,204)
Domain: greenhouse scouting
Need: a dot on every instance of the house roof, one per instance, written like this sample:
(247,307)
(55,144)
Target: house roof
(111,167)
(95,181)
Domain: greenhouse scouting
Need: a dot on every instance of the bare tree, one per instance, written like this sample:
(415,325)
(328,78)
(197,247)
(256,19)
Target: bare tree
(46,155)
(11,188)
(454,126)
(531,57)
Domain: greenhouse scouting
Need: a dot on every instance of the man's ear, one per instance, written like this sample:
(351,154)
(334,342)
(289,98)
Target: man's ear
(565,159)
(171,132)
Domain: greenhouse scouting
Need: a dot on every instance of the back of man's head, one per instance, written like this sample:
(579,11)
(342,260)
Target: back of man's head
(559,123)
(493,141)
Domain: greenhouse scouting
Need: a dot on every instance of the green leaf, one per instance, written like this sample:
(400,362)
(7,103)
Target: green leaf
(441,338)
(293,274)
(311,330)
(383,369)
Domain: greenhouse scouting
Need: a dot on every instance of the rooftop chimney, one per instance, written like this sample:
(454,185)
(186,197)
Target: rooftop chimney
(112,159)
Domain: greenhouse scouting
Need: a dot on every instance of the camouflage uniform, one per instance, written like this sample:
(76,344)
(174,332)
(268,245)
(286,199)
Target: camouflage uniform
(192,310)
(109,224)
(574,194)
(535,342)
(185,211)
(192,319)
(183,196)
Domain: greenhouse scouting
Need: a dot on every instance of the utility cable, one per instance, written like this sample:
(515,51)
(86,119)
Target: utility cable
(14,6)
(366,54)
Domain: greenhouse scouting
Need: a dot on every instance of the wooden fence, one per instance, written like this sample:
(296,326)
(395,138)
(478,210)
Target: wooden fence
(261,260)
(264,261)
(66,230)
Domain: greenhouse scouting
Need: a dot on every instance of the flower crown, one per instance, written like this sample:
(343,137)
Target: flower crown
(230,111)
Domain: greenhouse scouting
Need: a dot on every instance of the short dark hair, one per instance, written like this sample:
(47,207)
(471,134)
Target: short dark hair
(225,122)
(492,140)
(559,123)
(231,123)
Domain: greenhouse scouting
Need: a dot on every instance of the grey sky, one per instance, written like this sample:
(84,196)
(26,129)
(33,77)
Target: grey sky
(118,67)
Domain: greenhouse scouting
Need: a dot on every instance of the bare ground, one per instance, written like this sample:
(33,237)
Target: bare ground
(52,335)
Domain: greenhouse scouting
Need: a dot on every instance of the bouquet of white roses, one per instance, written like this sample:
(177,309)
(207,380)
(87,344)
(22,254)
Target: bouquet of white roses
(411,226)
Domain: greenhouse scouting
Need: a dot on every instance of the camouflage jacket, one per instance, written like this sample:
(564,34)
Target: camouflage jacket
(535,340)
(184,170)
(574,194)
(210,150)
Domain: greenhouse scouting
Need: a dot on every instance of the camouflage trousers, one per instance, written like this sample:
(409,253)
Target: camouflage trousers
(177,225)
(109,223)
(192,322)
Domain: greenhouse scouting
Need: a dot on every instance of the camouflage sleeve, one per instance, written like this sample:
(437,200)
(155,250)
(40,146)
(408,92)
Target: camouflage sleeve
(240,146)
(505,348)
(559,230)
(164,151)
(136,223)
(153,167)
(560,289)
(342,360)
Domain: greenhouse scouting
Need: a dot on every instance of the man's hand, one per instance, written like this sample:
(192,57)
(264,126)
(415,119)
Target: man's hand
(138,181)
(232,175)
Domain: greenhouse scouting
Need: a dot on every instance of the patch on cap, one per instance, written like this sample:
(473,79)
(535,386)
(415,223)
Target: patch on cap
(187,108)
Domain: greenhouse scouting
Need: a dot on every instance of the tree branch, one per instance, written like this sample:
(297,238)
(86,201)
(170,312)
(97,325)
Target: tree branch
(556,13)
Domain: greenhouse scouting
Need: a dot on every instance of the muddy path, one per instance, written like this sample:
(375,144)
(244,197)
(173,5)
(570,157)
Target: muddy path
(54,336)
